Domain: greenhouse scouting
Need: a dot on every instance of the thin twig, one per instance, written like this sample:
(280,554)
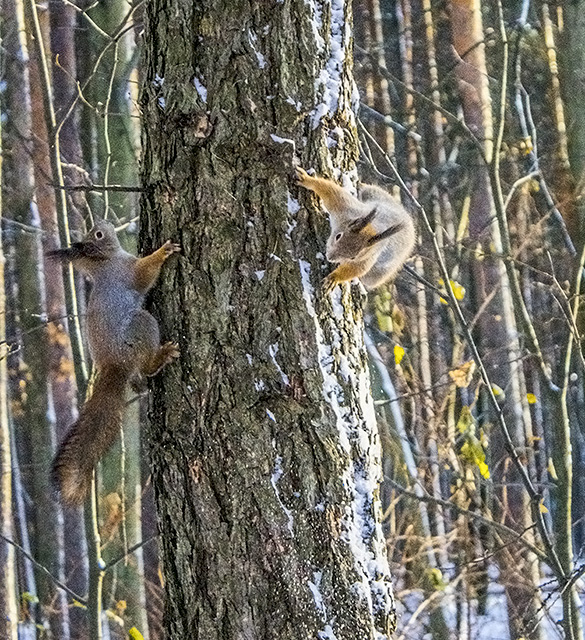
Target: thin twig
(131,550)
(44,569)
(428,101)
(502,528)
(388,121)
(122,28)
(92,24)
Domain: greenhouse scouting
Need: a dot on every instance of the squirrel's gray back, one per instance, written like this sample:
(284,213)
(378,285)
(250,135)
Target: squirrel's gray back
(399,246)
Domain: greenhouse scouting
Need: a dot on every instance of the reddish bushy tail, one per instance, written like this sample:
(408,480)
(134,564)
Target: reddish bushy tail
(99,423)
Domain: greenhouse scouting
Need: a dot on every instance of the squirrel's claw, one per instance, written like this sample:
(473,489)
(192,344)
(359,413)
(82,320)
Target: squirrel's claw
(329,283)
(303,178)
(170,247)
(171,351)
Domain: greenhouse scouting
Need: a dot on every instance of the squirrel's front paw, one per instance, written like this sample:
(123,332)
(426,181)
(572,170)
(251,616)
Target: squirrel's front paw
(303,178)
(329,283)
(170,247)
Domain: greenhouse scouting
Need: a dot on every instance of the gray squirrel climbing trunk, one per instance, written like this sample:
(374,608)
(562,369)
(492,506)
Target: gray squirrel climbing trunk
(264,449)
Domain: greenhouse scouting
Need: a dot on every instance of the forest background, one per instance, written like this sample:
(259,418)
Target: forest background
(471,114)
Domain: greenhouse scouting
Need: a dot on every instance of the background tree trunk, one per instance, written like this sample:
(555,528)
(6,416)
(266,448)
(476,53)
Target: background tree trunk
(264,447)
(8,606)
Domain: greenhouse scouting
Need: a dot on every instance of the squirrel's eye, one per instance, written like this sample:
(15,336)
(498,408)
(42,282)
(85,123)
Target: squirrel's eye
(338,237)
(99,235)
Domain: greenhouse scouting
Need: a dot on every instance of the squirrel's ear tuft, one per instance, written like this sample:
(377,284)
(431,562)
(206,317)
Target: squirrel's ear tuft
(63,255)
(361,223)
(74,252)
(390,231)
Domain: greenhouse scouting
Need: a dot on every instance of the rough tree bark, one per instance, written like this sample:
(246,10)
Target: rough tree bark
(264,447)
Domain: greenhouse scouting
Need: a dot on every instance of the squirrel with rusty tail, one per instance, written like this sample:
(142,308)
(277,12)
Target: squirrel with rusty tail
(371,237)
(124,342)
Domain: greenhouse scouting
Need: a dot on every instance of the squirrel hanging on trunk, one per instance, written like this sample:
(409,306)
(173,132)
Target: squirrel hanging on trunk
(371,237)
(124,341)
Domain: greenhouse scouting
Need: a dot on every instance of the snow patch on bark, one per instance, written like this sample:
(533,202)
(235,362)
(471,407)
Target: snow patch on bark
(276,476)
(317,597)
(253,38)
(292,204)
(359,439)
(201,90)
(327,634)
(273,350)
(295,103)
(315,588)
(293,208)
(280,140)
(316,24)
(329,83)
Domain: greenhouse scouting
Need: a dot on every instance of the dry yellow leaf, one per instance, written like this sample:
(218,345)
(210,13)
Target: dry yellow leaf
(552,472)
(462,375)
(458,289)
(398,353)
(483,469)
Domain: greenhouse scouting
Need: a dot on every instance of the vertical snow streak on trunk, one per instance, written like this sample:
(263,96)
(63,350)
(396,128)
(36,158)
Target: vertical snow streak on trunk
(359,439)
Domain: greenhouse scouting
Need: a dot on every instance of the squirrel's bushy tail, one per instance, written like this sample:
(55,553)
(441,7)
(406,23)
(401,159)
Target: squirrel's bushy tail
(92,435)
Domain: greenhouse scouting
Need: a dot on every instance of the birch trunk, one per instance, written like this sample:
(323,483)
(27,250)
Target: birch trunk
(497,322)
(8,605)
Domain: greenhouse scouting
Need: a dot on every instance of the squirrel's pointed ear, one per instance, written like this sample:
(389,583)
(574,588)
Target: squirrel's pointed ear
(390,231)
(358,225)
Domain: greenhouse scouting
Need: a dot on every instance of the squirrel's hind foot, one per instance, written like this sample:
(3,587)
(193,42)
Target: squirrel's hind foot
(166,353)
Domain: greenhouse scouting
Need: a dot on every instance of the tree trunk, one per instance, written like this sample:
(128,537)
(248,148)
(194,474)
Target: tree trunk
(498,333)
(8,606)
(63,24)
(49,548)
(264,447)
